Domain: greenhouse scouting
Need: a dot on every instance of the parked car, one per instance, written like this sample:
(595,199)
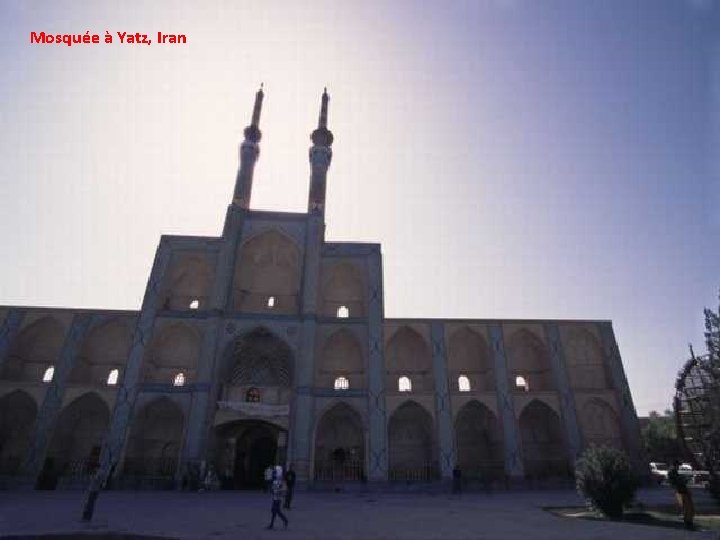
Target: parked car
(701,478)
(659,471)
(686,469)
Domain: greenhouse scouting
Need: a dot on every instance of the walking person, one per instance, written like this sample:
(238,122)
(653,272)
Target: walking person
(278,492)
(682,494)
(268,476)
(457,480)
(290,481)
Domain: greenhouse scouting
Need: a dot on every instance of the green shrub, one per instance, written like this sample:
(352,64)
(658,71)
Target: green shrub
(603,476)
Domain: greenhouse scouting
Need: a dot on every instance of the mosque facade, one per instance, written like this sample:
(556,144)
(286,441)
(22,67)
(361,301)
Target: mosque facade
(269,344)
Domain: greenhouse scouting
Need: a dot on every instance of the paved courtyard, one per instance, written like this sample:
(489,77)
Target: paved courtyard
(243,515)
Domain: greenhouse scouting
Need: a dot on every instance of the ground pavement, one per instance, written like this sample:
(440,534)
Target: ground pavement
(243,515)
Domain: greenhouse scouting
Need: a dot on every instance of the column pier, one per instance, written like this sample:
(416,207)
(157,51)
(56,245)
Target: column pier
(443,409)
(562,384)
(8,331)
(50,408)
(506,409)
(128,389)
(629,424)
(377,459)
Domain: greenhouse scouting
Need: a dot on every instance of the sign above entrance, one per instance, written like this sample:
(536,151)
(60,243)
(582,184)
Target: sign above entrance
(254,408)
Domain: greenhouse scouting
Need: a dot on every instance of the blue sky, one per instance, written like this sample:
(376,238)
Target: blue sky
(544,159)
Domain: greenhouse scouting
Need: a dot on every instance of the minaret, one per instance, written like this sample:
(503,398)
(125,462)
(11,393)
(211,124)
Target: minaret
(249,152)
(320,157)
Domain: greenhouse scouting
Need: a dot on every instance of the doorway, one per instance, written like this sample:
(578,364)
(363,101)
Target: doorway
(246,448)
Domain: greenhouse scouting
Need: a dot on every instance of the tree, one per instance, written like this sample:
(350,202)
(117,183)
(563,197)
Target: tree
(604,477)
(697,402)
(712,343)
(659,438)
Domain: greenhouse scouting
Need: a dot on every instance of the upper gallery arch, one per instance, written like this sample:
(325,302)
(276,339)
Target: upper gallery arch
(342,290)
(267,274)
(187,281)
(36,348)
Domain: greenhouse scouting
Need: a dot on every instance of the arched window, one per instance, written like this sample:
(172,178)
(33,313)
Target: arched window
(179,379)
(113,377)
(194,304)
(252,395)
(521,383)
(463,383)
(341,383)
(404,384)
(271,302)
(49,374)
(343,312)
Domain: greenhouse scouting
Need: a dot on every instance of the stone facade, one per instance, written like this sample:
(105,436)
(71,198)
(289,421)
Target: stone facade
(269,344)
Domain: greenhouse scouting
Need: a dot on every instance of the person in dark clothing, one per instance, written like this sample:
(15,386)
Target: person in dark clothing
(47,479)
(457,480)
(268,477)
(278,492)
(682,494)
(290,481)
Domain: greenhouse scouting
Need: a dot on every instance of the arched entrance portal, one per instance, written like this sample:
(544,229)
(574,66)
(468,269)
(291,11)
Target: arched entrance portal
(18,412)
(245,448)
(340,445)
(411,443)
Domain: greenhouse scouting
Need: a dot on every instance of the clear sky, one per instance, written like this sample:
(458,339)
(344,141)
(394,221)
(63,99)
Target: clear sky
(516,158)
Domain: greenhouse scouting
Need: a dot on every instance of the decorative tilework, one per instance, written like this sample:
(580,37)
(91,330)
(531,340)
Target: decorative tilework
(8,331)
(562,384)
(50,407)
(511,437)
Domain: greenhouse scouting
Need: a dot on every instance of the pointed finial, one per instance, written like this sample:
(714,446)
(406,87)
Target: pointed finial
(258,107)
(322,122)
(322,135)
(252,132)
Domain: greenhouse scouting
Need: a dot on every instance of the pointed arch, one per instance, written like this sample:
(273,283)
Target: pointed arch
(105,348)
(479,442)
(343,286)
(585,360)
(18,413)
(407,350)
(543,441)
(340,444)
(529,358)
(342,352)
(269,265)
(412,443)
(78,435)
(38,346)
(600,424)
(175,348)
(469,355)
(259,358)
(187,280)
(154,442)
(341,355)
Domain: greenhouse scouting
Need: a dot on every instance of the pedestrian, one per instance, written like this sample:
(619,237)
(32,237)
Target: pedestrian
(682,494)
(278,492)
(290,481)
(457,480)
(268,478)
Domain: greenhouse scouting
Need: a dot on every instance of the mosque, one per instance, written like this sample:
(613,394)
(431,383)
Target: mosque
(269,344)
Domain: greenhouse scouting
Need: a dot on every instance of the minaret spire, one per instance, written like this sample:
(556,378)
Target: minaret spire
(322,121)
(255,122)
(320,157)
(249,152)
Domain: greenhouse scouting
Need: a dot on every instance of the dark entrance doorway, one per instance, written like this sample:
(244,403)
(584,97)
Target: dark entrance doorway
(245,449)
(255,450)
